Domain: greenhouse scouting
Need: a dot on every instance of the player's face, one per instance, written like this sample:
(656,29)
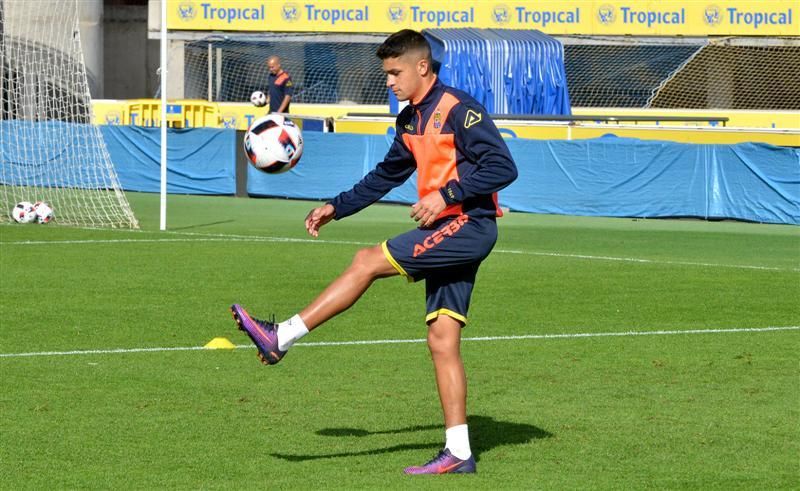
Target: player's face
(404,76)
(274,67)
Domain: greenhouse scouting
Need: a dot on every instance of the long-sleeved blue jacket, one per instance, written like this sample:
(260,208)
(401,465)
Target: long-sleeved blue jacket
(454,146)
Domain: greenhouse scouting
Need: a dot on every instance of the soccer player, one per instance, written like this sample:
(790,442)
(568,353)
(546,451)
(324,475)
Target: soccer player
(281,87)
(461,163)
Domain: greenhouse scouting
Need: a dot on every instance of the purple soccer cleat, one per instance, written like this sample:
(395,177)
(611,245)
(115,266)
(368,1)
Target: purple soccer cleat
(263,334)
(445,463)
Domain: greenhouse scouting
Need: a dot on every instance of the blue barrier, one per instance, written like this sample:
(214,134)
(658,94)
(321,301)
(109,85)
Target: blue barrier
(607,176)
(50,153)
(632,178)
(328,167)
(201,160)
(602,177)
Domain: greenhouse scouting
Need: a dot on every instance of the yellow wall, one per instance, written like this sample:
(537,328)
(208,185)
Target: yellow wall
(146,112)
(562,131)
(785,138)
(777,128)
(239,114)
(739,119)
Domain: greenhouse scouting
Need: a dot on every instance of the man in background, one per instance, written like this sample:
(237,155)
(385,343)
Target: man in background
(281,87)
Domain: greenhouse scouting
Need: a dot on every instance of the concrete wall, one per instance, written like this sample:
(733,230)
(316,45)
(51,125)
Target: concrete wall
(130,60)
(90,22)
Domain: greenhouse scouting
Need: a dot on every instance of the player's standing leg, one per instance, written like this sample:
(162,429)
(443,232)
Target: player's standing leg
(444,343)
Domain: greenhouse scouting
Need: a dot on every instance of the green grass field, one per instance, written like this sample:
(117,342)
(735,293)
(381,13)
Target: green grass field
(596,376)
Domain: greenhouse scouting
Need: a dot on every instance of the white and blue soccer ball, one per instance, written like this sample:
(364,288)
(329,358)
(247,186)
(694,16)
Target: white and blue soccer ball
(23,212)
(274,144)
(258,98)
(44,212)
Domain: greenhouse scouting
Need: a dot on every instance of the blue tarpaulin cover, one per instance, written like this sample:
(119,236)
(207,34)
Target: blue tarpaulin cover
(622,177)
(201,160)
(508,71)
(34,152)
(606,176)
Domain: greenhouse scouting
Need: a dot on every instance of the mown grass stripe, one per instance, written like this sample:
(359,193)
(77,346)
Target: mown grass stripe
(249,238)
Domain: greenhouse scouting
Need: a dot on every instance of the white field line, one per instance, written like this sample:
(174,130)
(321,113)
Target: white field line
(406,341)
(196,237)
(646,261)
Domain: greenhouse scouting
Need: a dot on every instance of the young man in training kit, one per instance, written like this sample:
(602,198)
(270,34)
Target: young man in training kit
(461,163)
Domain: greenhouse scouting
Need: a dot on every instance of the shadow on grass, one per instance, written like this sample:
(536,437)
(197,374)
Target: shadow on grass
(485,434)
(198,225)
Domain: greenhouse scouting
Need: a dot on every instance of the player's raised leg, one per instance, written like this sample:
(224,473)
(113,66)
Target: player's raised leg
(368,265)
(273,340)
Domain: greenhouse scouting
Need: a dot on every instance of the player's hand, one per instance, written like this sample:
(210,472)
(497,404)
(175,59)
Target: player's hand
(318,217)
(428,208)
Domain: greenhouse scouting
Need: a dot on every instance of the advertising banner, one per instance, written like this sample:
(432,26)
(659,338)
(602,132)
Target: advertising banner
(586,17)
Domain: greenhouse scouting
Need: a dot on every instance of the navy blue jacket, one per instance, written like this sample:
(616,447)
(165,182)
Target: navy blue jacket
(280,85)
(454,146)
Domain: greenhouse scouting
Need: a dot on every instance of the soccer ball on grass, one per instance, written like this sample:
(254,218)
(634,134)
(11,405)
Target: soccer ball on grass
(44,213)
(23,212)
(274,144)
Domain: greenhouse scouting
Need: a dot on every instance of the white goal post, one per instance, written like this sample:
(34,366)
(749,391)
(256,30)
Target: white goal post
(50,150)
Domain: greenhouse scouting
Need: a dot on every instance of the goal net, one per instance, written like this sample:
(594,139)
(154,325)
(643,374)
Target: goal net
(623,72)
(325,68)
(674,73)
(49,149)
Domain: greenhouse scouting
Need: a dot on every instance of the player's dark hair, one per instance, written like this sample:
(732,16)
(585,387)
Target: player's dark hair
(402,42)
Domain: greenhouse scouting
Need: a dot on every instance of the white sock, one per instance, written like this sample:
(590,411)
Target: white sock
(290,331)
(457,441)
